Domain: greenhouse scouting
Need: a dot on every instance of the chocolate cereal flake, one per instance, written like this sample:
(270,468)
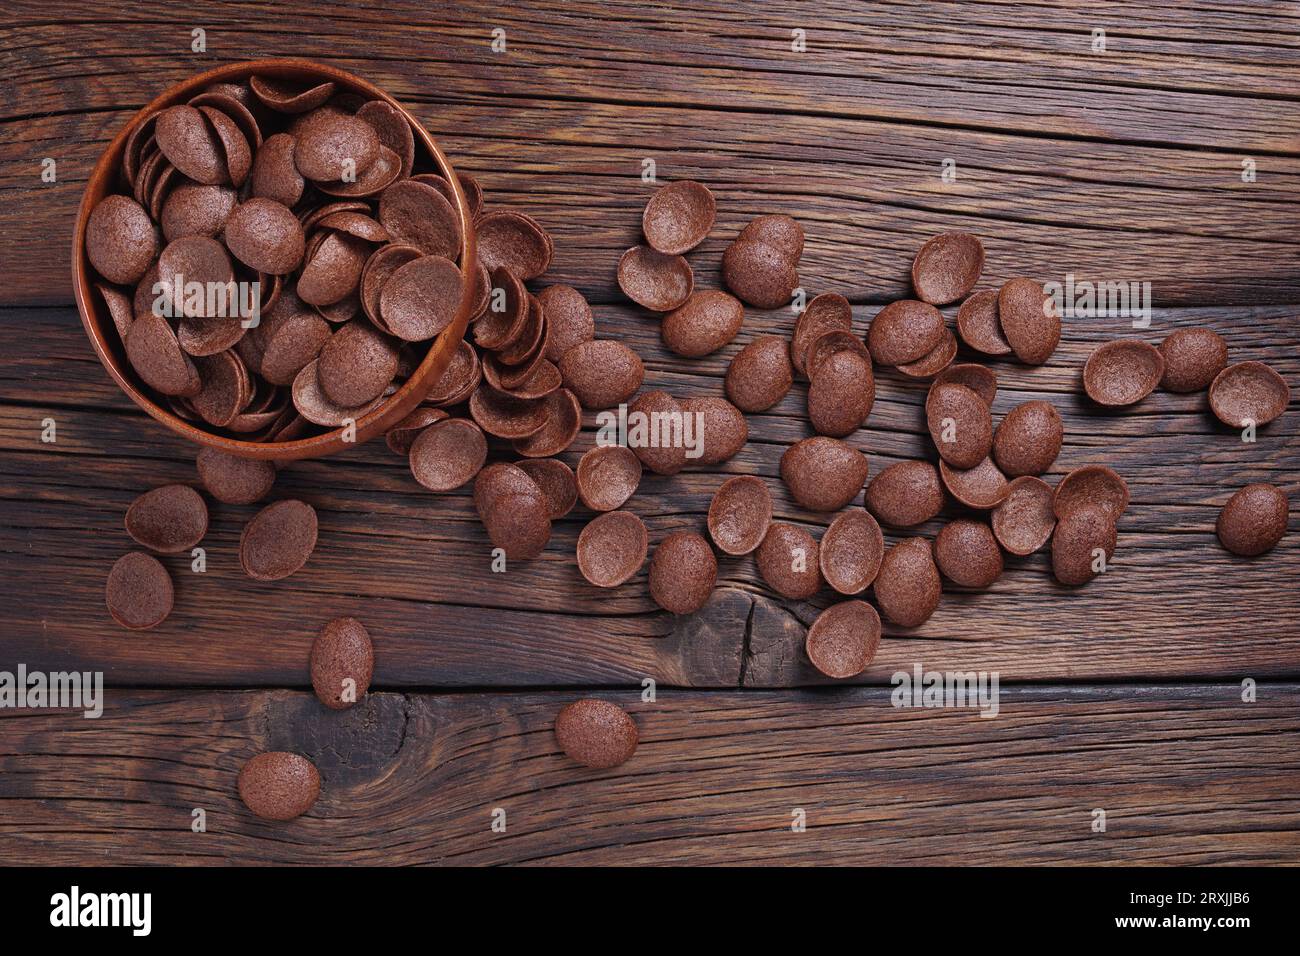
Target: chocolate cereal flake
(596,733)
(740,514)
(851,551)
(844,639)
(612,548)
(139,591)
(278,540)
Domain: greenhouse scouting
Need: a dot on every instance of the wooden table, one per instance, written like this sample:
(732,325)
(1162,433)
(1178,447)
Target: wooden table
(1126,695)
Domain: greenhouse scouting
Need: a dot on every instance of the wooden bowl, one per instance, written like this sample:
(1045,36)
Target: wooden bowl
(108,345)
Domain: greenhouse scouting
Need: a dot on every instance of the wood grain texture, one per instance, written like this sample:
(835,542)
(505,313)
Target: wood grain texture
(416,566)
(1067,160)
(1123,695)
(1185,775)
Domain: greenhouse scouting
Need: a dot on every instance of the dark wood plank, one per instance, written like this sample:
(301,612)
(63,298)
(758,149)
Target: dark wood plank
(1068,160)
(415,566)
(1185,775)
(975,64)
(1120,165)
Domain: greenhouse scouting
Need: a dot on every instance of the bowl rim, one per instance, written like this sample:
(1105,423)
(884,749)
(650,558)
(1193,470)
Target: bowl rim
(93,311)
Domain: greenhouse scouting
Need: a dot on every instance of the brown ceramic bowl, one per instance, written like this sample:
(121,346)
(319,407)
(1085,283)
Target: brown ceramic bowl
(103,335)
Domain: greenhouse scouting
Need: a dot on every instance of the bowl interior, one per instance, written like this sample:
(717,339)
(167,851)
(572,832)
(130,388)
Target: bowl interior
(103,335)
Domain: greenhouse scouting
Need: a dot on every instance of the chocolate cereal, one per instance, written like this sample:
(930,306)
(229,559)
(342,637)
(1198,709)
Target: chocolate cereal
(1024,520)
(788,560)
(678,217)
(601,373)
(762,273)
(463,374)
(275,175)
(311,402)
(120,239)
(139,591)
(401,436)
(905,331)
(851,551)
(654,280)
(288,338)
(448,454)
(704,323)
(1029,320)
(417,214)
(1193,357)
(829,343)
(330,144)
(760,375)
(1122,372)
(841,394)
(226,388)
(612,548)
(514,241)
(1247,392)
(119,305)
(908,586)
(190,144)
(563,422)
(156,356)
(568,317)
(356,364)
(844,639)
(983,486)
(959,423)
(1028,439)
(420,298)
(905,494)
(823,474)
(168,519)
(1253,520)
(596,733)
(284,96)
(947,267)
(264,235)
(233,480)
(279,786)
(1083,534)
(557,481)
(342,662)
(662,457)
(392,131)
(779,231)
(608,476)
(519,525)
(504,415)
(967,553)
(278,540)
(724,428)
(1091,485)
(740,514)
(978,378)
(683,571)
(332,268)
(935,361)
(515,511)
(979,326)
(827,312)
